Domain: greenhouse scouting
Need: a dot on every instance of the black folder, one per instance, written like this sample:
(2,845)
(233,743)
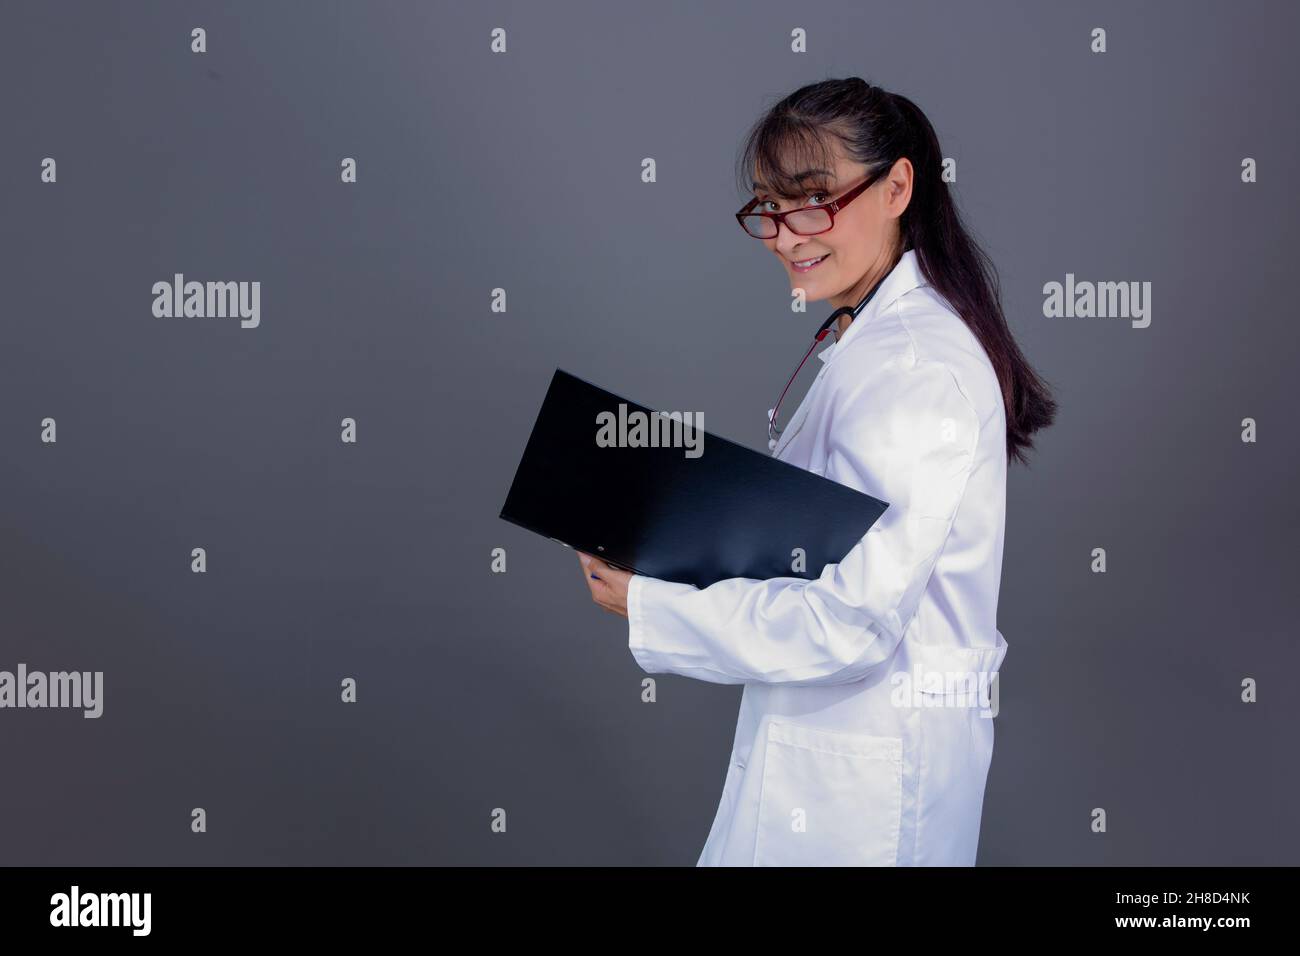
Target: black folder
(729,512)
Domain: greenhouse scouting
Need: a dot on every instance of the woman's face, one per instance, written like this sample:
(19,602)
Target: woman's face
(859,248)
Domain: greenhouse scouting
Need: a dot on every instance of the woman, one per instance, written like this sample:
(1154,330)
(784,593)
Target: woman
(859,741)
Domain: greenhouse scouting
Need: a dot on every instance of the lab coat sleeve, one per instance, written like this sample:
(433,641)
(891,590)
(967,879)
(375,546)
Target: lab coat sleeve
(907,435)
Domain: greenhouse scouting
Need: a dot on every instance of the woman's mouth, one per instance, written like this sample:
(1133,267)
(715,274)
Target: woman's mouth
(803,265)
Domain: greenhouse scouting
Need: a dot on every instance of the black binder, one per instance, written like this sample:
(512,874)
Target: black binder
(657,511)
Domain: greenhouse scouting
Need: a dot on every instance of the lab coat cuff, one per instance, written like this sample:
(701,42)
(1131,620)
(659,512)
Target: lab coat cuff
(646,644)
(635,618)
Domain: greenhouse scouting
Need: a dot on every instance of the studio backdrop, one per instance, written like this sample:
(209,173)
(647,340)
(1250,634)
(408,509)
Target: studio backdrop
(269,539)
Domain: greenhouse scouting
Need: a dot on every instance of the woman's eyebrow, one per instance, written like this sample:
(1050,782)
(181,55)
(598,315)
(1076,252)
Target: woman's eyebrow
(760,189)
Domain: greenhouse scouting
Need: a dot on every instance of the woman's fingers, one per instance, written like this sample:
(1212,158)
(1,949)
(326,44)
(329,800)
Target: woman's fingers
(608,584)
(591,569)
(602,591)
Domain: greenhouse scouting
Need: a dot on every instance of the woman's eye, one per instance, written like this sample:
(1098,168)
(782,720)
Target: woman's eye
(768,205)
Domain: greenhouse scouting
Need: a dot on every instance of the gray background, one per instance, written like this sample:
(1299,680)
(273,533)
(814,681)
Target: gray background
(523,171)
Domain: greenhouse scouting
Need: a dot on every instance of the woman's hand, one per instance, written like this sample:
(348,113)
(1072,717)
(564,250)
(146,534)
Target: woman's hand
(608,584)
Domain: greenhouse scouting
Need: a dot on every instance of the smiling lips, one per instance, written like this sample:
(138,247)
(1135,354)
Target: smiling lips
(803,265)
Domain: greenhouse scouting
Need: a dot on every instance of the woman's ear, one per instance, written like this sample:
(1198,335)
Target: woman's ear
(898,186)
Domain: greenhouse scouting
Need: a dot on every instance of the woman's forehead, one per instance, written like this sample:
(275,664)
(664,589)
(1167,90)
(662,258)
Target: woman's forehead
(797,176)
(798,161)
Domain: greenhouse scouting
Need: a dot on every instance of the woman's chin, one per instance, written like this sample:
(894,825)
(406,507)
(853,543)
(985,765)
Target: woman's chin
(811,294)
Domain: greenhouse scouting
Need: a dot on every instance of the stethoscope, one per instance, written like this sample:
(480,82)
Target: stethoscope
(772,431)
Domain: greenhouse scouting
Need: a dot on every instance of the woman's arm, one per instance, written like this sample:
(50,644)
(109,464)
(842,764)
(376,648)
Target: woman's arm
(908,436)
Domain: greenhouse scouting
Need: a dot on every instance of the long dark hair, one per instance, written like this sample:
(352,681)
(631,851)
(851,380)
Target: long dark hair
(877,128)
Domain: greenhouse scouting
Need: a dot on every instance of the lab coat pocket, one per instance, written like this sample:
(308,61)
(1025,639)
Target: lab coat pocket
(829,798)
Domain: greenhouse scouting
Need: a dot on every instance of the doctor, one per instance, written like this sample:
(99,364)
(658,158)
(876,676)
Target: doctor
(865,731)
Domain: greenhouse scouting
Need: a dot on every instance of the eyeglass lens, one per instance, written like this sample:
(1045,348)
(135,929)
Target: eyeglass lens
(802,222)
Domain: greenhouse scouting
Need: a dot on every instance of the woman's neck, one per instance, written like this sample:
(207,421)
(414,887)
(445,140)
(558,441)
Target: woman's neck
(854,295)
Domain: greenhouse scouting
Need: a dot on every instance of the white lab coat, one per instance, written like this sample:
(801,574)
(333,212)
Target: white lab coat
(857,742)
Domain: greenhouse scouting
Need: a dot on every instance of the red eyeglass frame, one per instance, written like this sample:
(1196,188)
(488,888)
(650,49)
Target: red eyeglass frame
(832,207)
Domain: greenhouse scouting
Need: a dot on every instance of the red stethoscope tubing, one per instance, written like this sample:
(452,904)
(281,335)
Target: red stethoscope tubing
(772,430)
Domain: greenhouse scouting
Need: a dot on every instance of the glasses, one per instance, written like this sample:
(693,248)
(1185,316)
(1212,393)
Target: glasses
(806,221)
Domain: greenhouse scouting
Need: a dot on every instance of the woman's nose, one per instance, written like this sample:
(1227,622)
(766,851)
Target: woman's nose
(786,241)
